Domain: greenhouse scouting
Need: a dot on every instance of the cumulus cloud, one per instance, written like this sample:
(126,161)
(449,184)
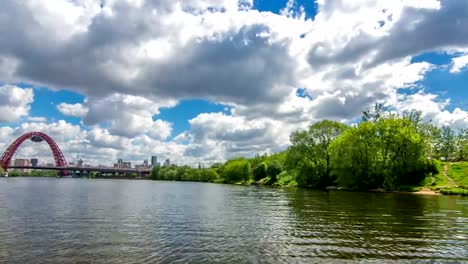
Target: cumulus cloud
(228,136)
(434,110)
(14,102)
(459,63)
(126,115)
(37,119)
(96,146)
(132,58)
(77,110)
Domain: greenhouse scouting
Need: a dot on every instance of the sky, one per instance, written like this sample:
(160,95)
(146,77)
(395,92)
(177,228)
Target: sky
(208,80)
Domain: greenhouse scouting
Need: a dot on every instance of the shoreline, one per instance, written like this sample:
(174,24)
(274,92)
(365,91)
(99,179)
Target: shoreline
(422,191)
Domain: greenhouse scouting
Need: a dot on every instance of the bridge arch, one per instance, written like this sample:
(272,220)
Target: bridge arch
(6,157)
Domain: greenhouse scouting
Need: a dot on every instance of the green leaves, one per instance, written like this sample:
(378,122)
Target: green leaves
(310,153)
(382,153)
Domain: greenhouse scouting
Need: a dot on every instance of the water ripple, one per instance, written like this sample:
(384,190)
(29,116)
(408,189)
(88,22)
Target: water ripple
(107,221)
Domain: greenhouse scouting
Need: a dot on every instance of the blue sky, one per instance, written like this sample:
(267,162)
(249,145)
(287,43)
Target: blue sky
(217,80)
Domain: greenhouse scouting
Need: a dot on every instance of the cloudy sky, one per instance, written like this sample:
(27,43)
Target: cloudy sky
(206,80)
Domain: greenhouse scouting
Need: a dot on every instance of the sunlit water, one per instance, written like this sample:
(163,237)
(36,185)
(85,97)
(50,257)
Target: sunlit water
(124,221)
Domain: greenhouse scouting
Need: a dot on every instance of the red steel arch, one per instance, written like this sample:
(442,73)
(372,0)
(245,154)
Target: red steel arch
(10,151)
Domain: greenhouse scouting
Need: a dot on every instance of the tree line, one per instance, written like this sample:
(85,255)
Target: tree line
(384,150)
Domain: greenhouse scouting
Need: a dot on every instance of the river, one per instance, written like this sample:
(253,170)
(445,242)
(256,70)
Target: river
(127,221)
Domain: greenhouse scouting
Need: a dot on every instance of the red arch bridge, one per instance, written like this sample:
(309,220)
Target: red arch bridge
(61,164)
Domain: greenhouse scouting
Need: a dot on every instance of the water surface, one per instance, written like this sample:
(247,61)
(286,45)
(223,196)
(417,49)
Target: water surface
(124,221)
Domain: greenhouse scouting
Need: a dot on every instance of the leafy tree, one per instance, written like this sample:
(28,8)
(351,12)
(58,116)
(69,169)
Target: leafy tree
(260,171)
(385,153)
(462,144)
(273,170)
(237,170)
(154,173)
(310,153)
(447,143)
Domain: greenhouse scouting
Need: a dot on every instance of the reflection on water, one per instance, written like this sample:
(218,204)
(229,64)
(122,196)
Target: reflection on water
(120,221)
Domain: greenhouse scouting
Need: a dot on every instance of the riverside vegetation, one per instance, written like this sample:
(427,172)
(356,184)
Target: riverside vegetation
(384,151)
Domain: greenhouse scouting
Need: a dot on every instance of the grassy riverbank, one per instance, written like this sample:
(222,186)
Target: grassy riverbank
(384,152)
(452,178)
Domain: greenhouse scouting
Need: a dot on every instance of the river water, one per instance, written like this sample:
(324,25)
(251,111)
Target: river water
(124,221)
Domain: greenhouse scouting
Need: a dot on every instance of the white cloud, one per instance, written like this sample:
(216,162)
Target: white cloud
(160,130)
(96,146)
(459,63)
(40,119)
(228,136)
(434,111)
(133,57)
(77,110)
(127,115)
(14,102)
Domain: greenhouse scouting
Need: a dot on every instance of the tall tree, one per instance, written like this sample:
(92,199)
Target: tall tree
(447,143)
(312,151)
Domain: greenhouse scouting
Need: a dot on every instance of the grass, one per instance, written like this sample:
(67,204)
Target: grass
(455,191)
(452,178)
(458,171)
(286,179)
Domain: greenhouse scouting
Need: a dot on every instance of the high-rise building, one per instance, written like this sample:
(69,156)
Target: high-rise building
(34,162)
(80,163)
(22,162)
(145,163)
(167,163)
(154,161)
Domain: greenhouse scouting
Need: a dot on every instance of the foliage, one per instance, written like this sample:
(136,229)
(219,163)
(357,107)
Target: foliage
(183,173)
(237,170)
(455,191)
(260,171)
(310,153)
(447,143)
(458,172)
(386,152)
(274,168)
(32,173)
(286,178)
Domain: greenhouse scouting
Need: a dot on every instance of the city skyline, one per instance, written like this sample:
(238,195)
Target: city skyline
(205,81)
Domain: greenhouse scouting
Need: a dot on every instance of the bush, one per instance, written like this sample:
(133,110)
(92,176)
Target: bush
(260,171)
(273,170)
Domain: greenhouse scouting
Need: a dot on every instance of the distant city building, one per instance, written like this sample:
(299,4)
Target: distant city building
(34,162)
(80,163)
(22,162)
(154,161)
(167,163)
(145,163)
(122,164)
(140,167)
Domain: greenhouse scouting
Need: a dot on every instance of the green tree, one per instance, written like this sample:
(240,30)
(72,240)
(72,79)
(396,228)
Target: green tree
(237,170)
(447,143)
(462,144)
(310,153)
(273,170)
(260,171)
(383,153)
(155,172)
